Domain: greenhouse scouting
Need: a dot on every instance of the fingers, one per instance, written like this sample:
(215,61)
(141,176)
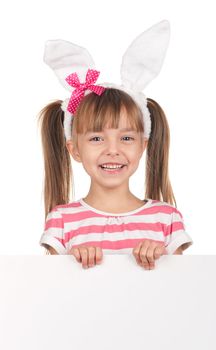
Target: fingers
(159,250)
(136,253)
(147,252)
(99,255)
(76,253)
(88,256)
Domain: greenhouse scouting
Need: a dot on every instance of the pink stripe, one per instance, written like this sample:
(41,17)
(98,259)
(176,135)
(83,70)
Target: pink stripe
(56,223)
(68,205)
(175,226)
(158,209)
(74,205)
(126,243)
(87,214)
(155,227)
(80,216)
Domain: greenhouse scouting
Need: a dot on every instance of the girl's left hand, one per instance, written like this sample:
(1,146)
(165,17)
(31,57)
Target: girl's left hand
(147,252)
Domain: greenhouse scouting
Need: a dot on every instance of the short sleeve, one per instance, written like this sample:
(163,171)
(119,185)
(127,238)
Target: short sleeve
(176,234)
(53,234)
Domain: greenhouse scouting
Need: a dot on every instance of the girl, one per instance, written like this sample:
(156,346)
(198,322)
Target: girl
(107,128)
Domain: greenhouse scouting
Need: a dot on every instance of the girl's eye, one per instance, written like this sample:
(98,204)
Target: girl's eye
(93,138)
(128,138)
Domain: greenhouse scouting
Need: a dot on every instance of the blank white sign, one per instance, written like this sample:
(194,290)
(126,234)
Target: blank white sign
(50,302)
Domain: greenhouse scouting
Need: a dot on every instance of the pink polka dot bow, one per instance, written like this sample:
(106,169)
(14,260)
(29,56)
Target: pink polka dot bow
(79,92)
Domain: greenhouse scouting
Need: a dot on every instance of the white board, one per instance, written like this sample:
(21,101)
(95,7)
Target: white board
(50,302)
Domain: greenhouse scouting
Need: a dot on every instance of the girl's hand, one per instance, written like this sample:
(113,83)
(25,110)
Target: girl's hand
(88,256)
(147,252)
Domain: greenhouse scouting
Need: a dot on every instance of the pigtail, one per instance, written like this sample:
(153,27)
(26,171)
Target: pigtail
(57,164)
(158,185)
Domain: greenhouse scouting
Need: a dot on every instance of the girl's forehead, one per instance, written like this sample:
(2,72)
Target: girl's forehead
(106,122)
(119,129)
(123,124)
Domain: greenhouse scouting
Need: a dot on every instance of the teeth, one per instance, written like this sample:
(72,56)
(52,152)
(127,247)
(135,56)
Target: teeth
(111,166)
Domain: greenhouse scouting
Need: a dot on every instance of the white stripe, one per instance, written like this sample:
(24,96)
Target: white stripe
(54,215)
(101,221)
(175,235)
(177,241)
(54,243)
(54,232)
(160,204)
(71,210)
(176,217)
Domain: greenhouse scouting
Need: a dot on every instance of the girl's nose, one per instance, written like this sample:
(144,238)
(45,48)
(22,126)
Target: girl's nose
(112,147)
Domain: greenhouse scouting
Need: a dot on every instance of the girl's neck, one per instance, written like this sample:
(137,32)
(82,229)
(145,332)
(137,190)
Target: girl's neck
(115,201)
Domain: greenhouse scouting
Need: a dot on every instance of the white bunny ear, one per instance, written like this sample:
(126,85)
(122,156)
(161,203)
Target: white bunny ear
(66,58)
(143,59)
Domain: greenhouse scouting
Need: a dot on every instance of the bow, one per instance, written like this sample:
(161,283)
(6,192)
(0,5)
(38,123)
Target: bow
(79,92)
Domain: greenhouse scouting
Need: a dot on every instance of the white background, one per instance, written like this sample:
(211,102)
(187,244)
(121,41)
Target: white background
(185,89)
(116,305)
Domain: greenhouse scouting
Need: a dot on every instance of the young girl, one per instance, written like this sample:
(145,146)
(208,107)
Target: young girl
(107,128)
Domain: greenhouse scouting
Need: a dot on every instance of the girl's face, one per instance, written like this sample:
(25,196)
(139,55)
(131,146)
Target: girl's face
(109,157)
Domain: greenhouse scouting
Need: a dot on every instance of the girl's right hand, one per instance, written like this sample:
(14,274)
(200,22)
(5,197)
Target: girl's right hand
(88,256)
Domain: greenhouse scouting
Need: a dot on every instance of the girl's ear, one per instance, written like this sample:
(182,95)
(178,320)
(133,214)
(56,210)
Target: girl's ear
(73,150)
(143,147)
(144,144)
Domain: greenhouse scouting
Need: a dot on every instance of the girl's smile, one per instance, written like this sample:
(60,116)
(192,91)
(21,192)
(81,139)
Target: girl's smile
(112,168)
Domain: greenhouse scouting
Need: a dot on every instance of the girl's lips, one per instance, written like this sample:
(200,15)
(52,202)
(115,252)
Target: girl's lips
(113,171)
(110,164)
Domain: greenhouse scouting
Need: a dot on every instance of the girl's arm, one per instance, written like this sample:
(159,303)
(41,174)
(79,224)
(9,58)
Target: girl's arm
(51,250)
(178,251)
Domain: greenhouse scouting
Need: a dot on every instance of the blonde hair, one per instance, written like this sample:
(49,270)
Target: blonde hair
(93,114)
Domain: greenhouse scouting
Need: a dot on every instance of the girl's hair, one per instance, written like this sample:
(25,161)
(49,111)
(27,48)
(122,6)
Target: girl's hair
(93,114)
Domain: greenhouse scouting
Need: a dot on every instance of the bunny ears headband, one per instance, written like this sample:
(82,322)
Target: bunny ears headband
(141,63)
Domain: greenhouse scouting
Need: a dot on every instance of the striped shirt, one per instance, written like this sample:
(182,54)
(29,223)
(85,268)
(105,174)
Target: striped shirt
(77,223)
